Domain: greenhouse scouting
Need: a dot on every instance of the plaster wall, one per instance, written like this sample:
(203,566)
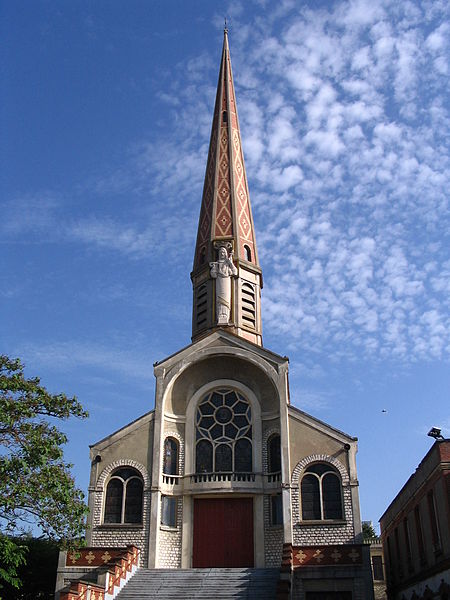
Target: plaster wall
(135,444)
(305,440)
(309,444)
(131,446)
(220,367)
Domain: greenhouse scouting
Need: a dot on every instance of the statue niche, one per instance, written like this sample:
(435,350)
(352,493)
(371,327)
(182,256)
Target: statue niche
(222,271)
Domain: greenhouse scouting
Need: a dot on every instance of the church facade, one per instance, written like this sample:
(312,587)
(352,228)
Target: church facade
(225,472)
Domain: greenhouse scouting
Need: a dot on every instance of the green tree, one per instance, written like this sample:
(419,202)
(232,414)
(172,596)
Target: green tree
(368,531)
(36,487)
(38,575)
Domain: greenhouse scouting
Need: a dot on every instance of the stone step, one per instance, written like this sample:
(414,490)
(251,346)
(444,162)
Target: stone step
(208,584)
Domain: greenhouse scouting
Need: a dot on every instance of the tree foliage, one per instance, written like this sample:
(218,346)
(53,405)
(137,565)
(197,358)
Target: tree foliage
(38,574)
(368,531)
(12,557)
(36,487)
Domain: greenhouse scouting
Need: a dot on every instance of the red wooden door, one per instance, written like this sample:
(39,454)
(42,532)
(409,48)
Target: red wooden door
(223,532)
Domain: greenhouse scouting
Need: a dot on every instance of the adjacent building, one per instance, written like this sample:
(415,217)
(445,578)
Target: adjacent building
(378,568)
(415,531)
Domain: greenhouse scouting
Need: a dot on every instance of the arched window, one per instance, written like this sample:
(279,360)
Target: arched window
(321,493)
(223,433)
(204,456)
(274,454)
(124,493)
(170,463)
(248,253)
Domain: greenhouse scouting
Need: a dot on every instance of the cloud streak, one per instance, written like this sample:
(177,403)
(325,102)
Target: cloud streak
(345,124)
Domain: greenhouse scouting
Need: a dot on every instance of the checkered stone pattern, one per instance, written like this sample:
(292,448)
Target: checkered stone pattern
(173,433)
(273,538)
(169,545)
(325,532)
(104,535)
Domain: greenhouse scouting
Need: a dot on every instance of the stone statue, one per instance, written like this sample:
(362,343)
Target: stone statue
(222,271)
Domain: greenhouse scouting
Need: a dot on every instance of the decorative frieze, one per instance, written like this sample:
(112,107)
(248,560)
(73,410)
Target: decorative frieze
(306,556)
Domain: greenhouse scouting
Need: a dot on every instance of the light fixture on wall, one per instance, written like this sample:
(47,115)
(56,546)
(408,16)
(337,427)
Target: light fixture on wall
(435,432)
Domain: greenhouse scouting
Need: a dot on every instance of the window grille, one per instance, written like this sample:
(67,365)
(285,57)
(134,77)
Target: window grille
(276,510)
(321,493)
(169,511)
(124,495)
(223,433)
(170,465)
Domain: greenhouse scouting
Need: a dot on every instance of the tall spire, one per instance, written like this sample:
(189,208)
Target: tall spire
(226,221)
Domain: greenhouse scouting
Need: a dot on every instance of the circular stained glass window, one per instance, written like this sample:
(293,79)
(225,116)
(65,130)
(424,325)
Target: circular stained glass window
(224,419)
(223,415)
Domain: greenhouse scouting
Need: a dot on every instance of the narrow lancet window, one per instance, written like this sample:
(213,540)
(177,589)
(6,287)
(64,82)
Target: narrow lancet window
(170,466)
(274,454)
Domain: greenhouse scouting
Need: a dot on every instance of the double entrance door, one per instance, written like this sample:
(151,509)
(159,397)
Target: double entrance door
(223,532)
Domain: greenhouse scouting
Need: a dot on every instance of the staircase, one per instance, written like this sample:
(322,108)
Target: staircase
(207,584)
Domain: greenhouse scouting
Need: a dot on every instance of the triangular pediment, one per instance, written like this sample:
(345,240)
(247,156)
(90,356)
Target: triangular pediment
(318,425)
(128,429)
(214,343)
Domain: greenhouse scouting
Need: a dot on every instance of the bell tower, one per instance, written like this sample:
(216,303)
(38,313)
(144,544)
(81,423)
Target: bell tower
(226,275)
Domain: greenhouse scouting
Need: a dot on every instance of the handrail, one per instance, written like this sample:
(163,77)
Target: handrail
(172,479)
(246,476)
(222,476)
(273,477)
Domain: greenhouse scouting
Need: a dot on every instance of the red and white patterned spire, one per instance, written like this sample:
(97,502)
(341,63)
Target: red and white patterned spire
(225,211)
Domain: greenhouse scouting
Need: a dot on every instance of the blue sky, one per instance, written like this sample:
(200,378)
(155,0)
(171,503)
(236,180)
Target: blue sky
(343,107)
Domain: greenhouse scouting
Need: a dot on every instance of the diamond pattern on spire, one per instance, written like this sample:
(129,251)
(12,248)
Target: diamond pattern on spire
(226,203)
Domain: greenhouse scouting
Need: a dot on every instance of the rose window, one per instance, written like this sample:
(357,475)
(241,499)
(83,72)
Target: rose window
(223,433)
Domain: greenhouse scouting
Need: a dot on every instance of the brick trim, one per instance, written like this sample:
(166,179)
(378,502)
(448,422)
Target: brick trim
(312,458)
(265,454)
(323,532)
(123,463)
(176,436)
(103,535)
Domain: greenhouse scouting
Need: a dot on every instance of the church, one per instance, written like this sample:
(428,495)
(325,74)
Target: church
(225,472)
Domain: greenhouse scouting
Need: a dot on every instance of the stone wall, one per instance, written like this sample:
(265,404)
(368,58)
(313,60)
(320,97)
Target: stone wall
(346,579)
(170,540)
(273,538)
(119,535)
(324,532)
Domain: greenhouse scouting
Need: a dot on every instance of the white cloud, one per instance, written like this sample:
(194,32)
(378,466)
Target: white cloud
(344,117)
